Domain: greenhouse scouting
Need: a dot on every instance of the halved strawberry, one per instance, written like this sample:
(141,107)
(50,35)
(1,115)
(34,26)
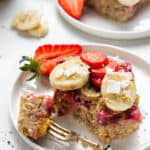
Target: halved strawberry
(47,66)
(52,51)
(73,7)
(46,57)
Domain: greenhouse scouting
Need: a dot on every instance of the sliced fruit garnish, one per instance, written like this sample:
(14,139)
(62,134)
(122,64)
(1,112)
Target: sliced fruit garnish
(46,57)
(48,65)
(96,81)
(100,73)
(90,92)
(94,59)
(73,7)
(70,75)
(52,51)
(118,91)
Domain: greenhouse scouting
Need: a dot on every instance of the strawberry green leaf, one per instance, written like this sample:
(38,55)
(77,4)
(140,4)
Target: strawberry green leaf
(30,65)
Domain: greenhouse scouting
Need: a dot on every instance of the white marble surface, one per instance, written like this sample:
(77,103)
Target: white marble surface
(13,46)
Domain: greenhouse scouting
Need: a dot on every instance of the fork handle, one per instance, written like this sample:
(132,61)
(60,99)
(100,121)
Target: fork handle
(87,142)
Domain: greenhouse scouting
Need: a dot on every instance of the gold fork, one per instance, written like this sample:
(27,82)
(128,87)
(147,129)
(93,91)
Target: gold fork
(64,134)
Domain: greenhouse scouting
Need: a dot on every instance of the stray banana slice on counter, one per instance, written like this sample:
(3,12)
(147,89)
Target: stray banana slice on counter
(70,75)
(118,91)
(26,20)
(39,31)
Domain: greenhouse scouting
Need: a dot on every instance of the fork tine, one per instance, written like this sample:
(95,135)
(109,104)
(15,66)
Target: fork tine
(64,134)
(58,136)
(60,127)
(58,130)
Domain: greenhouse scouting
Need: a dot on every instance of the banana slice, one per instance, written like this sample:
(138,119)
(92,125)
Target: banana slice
(118,91)
(129,3)
(26,20)
(90,92)
(39,31)
(70,75)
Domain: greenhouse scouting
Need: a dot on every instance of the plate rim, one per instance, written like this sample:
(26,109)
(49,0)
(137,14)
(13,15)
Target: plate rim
(116,48)
(108,34)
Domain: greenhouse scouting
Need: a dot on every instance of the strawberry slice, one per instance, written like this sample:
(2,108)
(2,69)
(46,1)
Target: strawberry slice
(99,73)
(94,59)
(47,66)
(96,81)
(73,7)
(46,57)
(52,51)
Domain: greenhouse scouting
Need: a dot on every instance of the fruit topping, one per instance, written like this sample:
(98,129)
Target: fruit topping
(46,57)
(99,73)
(70,75)
(94,59)
(96,81)
(118,91)
(90,92)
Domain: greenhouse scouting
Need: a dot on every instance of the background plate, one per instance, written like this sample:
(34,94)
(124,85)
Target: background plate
(139,140)
(92,23)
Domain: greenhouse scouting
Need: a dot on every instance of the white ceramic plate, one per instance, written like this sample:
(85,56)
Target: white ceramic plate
(139,140)
(92,23)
